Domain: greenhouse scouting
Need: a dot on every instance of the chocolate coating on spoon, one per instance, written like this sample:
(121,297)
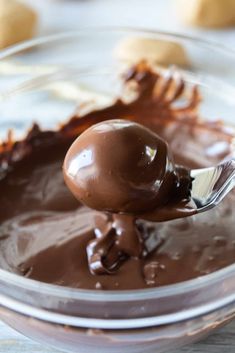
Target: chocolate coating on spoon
(120,166)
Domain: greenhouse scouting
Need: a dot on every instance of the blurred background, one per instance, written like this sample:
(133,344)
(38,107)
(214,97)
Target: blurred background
(211,19)
(24,19)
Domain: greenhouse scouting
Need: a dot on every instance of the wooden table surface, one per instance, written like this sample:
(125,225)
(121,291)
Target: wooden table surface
(222,341)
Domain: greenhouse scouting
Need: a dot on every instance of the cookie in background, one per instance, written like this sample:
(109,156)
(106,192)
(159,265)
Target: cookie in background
(155,51)
(207,13)
(17,22)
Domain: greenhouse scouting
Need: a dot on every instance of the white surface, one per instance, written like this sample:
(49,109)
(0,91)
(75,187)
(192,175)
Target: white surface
(62,15)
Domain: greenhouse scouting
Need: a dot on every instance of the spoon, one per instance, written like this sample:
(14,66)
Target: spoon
(208,188)
(211,185)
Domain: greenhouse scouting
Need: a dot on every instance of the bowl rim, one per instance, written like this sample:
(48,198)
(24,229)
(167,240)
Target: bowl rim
(16,48)
(117,295)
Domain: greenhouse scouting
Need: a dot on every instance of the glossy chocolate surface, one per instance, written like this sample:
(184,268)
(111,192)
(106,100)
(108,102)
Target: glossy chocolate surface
(120,166)
(124,169)
(46,235)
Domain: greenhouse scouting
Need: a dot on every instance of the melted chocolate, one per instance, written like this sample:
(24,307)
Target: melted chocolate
(121,167)
(135,175)
(46,235)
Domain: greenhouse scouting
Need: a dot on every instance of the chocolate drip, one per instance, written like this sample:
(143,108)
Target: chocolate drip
(137,176)
(45,234)
(117,238)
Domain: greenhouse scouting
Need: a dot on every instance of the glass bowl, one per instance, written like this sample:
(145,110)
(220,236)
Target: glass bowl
(44,80)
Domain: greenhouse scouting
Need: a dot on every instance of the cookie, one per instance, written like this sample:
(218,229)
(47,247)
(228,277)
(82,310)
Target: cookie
(17,22)
(207,13)
(154,51)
